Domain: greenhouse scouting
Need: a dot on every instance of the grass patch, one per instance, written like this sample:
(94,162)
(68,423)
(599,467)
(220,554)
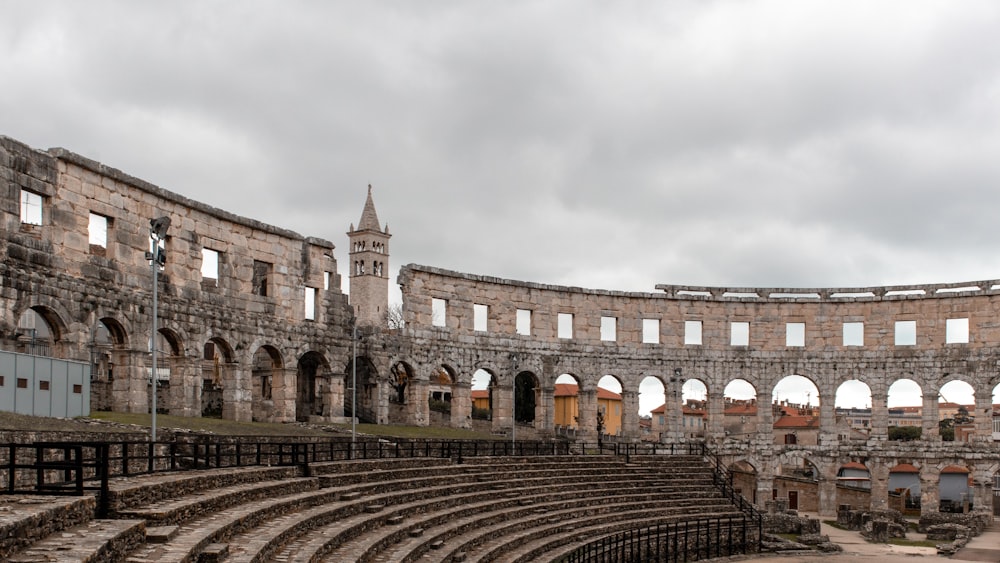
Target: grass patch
(139,423)
(834,524)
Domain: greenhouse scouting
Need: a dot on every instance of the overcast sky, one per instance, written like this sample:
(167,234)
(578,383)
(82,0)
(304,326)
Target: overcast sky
(606,145)
(599,144)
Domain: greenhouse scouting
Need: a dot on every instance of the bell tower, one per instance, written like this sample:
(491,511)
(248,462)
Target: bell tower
(369,276)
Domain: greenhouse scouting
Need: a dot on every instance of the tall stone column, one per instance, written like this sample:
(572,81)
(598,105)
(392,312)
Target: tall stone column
(716,415)
(131,386)
(630,414)
(828,435)
(929,502)
(283,394)
(984,415)
(878,472)
(982,491)
(879,423)
(237,393)
(545,409)
(827,496)
(586,426)
(185,376)
(461,405)
(337,391)
(417,406)
(503,413)
(929,420)
(674,413)
(765,419)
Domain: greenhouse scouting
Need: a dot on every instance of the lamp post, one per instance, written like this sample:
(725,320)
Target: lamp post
(354,385)
(157,258)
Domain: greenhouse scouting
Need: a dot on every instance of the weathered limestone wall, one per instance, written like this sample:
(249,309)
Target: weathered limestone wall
(763,362)
(53,269)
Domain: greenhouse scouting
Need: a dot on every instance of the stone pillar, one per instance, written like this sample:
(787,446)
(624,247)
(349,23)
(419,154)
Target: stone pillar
(131,386)
(461,405)
(765,419)
(929,501)
(586,424)
(503,413)
(418,408)
(984,417)
(982,491)
(237,393)
(879,423)
(929,419)
(716,415)
(185,384)
(827,501)
(674,413)
(282,394)
(828,423)
(630,415)
(765,484)
(878,472)
(337,391)
(545,409)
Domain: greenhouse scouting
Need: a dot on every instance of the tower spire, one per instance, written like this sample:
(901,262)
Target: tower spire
(369,275)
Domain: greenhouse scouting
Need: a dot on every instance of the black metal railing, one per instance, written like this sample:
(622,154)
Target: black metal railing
(673,542)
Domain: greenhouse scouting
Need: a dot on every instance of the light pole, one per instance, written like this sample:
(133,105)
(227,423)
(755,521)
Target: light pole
(354,385)
(157,258)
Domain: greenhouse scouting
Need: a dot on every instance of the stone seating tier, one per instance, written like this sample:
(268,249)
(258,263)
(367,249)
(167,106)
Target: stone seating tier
(384,510)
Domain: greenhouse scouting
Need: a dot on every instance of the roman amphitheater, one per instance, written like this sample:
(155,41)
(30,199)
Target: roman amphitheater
(252,325)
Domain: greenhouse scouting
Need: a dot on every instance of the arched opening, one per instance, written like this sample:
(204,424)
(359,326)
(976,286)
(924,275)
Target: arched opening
(481,392)
(652,408)
(694,408)
(853,407)
(744,479)
(609,402)
(217,358)
(311,381)
(566,399)
(740,411)
(167,352)
(439,394)
(400,376)
(37,332)
(996,486)
(956,409)
(266,363)
(795,411)
(904,489)
(108,348)
(525,399)
(366,376)
(955,489)
(905,405)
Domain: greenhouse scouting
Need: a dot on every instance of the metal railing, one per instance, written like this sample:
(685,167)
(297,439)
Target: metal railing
(674,542)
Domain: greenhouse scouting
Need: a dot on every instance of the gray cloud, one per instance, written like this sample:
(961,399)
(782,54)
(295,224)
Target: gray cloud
(582,143)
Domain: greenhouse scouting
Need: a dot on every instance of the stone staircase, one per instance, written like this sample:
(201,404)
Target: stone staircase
(393,510)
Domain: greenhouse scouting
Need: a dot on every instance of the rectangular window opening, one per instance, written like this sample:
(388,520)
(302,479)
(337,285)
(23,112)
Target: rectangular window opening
(261,278)
(609,329)
(31,208)
(906,333)
(480,316)
(43,385)
(439,309)
(524,322)
(854,334)
(692,333)
(956,331)
(209,264)
(565,325)
(22,383)
(77,389)
(310,298)
(795,334)
(97,230)
(739,333)
(650,331)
